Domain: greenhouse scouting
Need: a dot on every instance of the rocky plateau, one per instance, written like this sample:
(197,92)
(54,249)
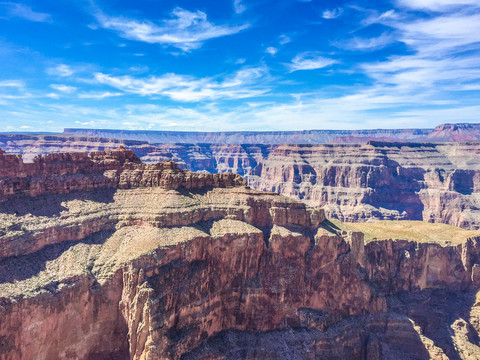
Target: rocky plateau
(105,257)
(443,132)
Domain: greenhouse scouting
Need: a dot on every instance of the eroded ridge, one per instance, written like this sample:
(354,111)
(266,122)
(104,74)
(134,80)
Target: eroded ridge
(66,172)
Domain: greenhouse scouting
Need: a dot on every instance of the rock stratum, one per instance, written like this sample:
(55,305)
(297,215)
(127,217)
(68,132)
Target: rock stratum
(142,261)
(380,180)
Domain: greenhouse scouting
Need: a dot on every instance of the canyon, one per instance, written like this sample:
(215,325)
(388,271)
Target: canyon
(103,256)
(434,182)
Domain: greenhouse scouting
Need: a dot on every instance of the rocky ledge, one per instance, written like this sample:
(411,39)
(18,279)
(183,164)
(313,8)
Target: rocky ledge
(210,272)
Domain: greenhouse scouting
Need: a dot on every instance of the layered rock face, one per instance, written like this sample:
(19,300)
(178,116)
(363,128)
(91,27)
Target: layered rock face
(430,182)
(168,270)
(67,172)
(436,182)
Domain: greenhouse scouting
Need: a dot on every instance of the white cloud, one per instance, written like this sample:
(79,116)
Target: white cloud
(24,12)
(443,54)
(239,7)
(239,85)
(185,30)
(12,83)
(61,70)
(310,61)
(366,44)
(332,13)
(284,39)
(271,50)
(63,88)
(384,18)
(442,34)
(98,95)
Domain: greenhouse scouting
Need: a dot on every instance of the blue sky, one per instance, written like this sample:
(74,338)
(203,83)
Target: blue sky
(238,64)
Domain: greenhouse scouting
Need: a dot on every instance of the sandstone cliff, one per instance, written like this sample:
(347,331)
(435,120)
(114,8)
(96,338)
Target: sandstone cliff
(169,270)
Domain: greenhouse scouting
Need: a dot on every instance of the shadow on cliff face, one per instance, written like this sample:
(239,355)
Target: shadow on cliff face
(355,338)
(51,204)
(191,192)
(330,226)
(435,311)
(390,335)
(462,181)
(25,267)
(396,188)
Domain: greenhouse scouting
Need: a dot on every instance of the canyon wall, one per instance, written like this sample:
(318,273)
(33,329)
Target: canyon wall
(165,270)
(379,180)
(436,182)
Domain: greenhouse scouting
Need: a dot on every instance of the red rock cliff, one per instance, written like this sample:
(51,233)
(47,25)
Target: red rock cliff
(121,168)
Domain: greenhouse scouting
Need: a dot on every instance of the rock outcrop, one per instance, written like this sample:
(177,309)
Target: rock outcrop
(66,172)
(197,269)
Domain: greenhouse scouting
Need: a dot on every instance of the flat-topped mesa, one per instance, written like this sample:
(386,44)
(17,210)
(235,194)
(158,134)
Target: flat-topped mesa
(120,168)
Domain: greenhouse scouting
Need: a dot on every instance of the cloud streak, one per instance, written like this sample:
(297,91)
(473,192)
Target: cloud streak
(24,12)
(310,61)
(184,29)
(184,88)
(61,70)
(64,88)
(332,13)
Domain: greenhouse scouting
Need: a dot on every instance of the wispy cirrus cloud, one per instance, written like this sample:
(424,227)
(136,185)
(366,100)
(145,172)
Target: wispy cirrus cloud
(443,54)
(11,9)
(284,39)
(271,50)
(240,85)
(332,13)
(63,88)
(12,83)
(184,29)
(239,6)
(99,95)
(310,60)
(60,70)
(366,44)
